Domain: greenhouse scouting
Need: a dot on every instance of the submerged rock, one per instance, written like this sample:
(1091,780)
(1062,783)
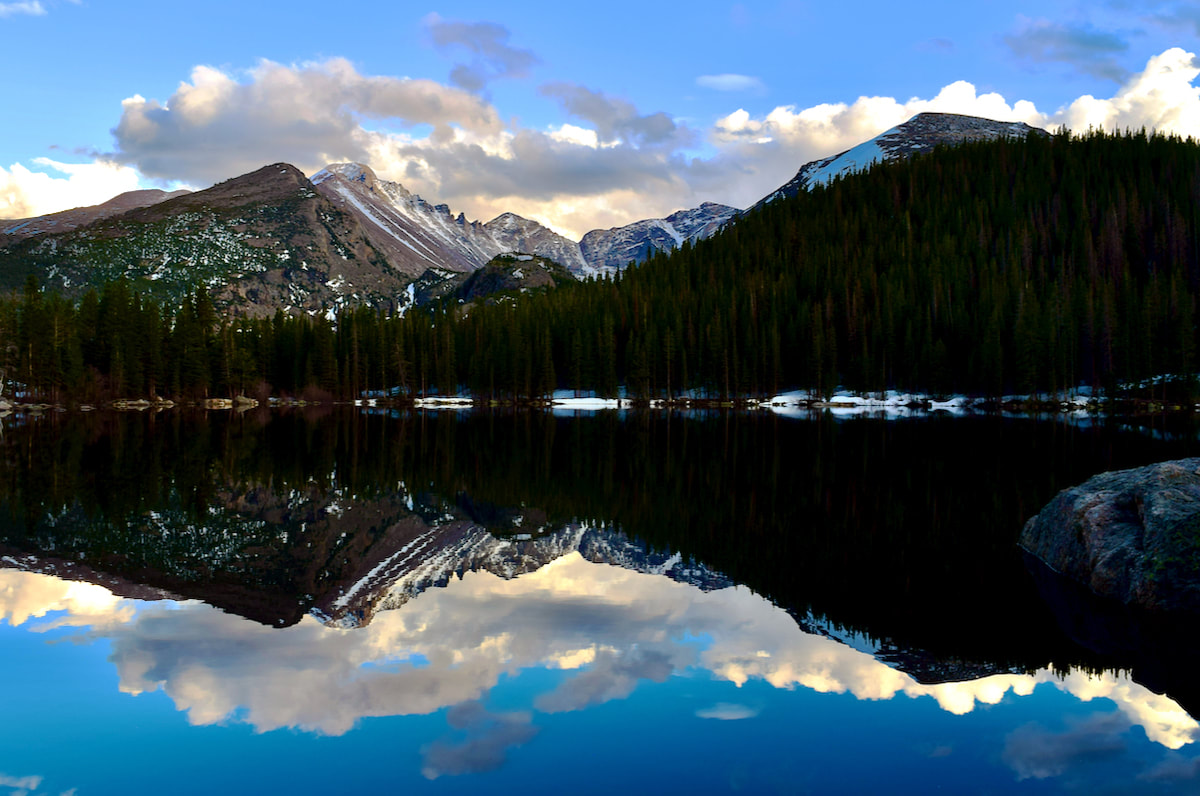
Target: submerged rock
(1133,535)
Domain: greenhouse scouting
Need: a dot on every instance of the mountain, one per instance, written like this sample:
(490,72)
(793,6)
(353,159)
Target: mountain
(516,234)
(415,235)
(921,133)
(362,558)
(613,249)
(260,242)
(431,556)
(67,220)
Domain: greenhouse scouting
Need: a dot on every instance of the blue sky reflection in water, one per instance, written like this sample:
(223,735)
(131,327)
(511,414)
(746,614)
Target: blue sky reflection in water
(579,672)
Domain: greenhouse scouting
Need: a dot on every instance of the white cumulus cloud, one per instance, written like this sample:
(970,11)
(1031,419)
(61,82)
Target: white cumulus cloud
(25,193)
(609,628)
(219,125)
(1164,97)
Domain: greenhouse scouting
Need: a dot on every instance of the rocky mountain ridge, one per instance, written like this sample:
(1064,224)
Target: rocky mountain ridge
(416,235)
(610,250)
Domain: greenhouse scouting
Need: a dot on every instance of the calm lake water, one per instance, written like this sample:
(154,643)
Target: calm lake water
(344,601)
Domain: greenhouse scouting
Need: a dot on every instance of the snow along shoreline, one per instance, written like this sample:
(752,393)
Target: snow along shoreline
(801,403)
(804,404)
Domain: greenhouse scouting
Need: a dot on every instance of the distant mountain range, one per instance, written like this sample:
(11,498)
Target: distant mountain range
(274,239)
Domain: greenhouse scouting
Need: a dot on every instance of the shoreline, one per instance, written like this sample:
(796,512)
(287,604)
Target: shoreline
(892,404)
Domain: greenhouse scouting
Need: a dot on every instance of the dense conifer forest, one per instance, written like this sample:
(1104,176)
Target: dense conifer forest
(1013,266)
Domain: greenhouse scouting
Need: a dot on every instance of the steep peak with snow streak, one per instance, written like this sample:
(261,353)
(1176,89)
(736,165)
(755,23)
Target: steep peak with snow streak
(418,235)
(414,235)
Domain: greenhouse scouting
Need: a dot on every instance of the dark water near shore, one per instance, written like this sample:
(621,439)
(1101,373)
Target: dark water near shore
(340,600)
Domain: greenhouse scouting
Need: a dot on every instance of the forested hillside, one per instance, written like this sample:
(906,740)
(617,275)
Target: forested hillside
(1026,265)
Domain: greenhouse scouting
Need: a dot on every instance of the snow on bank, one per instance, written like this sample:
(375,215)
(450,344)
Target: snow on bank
(589,404)
(445,402)
(1081,402)
(905,404)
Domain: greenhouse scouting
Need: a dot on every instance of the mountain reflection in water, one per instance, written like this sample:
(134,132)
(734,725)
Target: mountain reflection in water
(319,571)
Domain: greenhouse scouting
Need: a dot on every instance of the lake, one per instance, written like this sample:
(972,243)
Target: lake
(335,600)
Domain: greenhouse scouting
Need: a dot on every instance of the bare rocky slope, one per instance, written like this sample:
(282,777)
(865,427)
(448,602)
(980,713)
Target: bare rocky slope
(416,235)
(260,242)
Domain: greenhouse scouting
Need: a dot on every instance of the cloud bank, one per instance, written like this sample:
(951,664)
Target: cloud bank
(608,163)
(1034,752)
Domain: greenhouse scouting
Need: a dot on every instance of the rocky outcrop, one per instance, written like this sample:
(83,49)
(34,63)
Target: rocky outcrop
(513,273)
(1133,535)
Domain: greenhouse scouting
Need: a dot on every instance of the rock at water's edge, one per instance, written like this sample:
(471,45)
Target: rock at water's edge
(1133,535)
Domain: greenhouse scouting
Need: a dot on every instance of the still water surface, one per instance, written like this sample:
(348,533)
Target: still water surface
(342,601)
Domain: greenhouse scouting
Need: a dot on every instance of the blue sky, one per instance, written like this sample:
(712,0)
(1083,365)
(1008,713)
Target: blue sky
(578,115)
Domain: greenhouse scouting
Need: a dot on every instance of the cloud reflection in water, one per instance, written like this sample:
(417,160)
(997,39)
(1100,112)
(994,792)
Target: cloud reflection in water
(611,628)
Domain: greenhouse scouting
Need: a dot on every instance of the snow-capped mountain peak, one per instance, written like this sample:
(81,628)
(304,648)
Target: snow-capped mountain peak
(921,133)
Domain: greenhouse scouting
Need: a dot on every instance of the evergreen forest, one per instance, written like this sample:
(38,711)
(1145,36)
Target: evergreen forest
(1022,266)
